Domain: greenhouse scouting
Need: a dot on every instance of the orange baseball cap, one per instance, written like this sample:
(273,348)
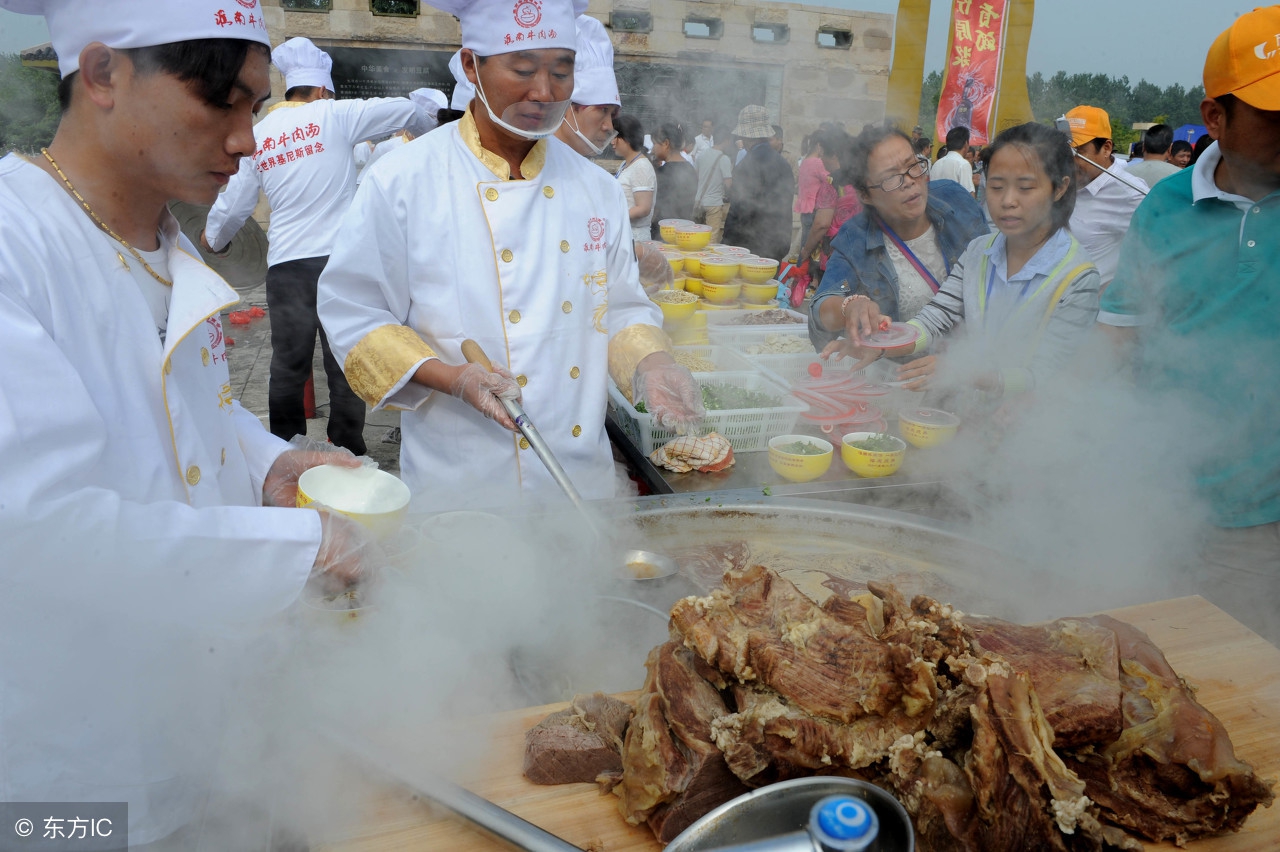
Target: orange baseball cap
(1088,123)
(1245,60)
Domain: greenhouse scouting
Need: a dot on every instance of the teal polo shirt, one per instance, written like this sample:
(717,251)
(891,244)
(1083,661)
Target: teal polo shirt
(1199,278)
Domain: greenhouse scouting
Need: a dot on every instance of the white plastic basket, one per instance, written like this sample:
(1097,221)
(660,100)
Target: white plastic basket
(721,327)
(748,429)
(725,359)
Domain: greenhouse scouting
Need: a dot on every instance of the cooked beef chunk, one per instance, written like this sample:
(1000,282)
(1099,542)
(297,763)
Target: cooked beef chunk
(578,743)
(670,747)
(760,627)
(1172,774)
(1075,666)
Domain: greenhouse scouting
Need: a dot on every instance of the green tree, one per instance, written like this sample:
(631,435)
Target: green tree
(29,110)
(930,94)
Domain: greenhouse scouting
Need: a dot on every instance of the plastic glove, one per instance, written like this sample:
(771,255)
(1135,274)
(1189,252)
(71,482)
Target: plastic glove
(670,393)
(347,555)
(655,272)
(280,488)
(484,391)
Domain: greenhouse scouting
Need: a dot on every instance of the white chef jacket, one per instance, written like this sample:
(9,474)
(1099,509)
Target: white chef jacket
(541,272)
(130,491)
(1100,220)
(304,164)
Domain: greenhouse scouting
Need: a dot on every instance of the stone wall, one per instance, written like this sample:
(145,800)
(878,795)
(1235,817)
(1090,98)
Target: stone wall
(801,83)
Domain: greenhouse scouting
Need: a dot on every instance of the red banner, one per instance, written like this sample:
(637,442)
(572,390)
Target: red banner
(973,68)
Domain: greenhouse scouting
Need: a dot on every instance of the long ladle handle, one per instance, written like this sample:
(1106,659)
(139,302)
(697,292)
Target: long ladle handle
(476,355)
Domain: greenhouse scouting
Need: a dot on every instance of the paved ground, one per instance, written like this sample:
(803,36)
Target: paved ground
(250,364)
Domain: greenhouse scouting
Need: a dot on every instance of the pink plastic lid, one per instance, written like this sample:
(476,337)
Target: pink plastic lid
(897,334)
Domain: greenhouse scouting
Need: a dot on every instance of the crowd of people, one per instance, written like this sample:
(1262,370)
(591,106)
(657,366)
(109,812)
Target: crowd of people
(132,481)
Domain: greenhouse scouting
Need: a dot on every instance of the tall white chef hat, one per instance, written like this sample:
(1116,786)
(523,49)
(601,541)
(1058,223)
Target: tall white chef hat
(431,100)
(75,24)
(593,79)
(490,27)
(463,91)
(303,64)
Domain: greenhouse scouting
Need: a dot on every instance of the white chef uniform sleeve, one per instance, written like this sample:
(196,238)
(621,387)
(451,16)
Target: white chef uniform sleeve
(372,118)
(260,447)
(233,206)
(64,534)
(634,321)
(363,302)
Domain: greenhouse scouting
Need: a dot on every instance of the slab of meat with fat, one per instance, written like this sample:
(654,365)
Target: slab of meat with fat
(1172,774)
(670,747)
(579,743)
(1075,667)
(825,662)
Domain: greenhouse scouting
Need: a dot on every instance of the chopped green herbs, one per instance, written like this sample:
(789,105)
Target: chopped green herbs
(879,443)
(727,398)
(802,448)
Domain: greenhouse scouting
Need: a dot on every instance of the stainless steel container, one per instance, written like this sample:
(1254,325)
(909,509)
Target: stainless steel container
(783,809)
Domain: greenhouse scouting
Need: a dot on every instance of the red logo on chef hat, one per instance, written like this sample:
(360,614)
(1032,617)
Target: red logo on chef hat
(595,229)
(527,13)
(248,4)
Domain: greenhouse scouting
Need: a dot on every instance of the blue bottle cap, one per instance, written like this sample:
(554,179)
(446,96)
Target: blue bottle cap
(844,824)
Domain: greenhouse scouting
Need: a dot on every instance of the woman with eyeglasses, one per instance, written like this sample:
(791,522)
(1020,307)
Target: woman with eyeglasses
(901,247)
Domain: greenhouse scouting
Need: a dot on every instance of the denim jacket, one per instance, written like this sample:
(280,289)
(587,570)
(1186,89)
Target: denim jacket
(859,262)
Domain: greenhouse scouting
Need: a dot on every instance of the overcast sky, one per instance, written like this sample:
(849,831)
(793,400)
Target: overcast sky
(1163,42)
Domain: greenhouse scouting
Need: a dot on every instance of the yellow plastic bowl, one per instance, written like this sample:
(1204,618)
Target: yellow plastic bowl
(690,337)
(704,305)
(721,293)
(796,467)
(678,284)
(675,311)
(758,306)
(867,463)
(927,427)
(676,261)
(693,285)
(759,270)
(667,228)
(370,496)
(693,237)
(759,293)
(719,270)
(693,261)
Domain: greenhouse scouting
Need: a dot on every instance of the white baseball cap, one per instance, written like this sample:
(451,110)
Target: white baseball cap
(125,24)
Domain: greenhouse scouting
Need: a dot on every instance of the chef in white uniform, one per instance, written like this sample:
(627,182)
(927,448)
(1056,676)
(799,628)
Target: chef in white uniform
(431,101)
(490,230)
(588,123)
(303,162)
(132,483)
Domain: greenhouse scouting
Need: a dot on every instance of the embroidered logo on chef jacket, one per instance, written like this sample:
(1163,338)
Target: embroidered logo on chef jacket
(595,235)
(217,342)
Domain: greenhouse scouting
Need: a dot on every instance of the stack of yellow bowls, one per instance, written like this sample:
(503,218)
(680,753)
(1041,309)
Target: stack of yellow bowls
(758,270)
(667,227)
(689,332)
(692,237)
(720,269)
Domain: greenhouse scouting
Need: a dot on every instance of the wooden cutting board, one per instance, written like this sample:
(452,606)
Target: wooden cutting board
(1235,672)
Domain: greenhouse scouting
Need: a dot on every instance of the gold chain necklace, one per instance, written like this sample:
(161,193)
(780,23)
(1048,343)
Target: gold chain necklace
(101,224)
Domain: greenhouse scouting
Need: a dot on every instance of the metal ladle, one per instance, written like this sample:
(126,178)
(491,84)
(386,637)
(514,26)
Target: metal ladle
(663,566)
